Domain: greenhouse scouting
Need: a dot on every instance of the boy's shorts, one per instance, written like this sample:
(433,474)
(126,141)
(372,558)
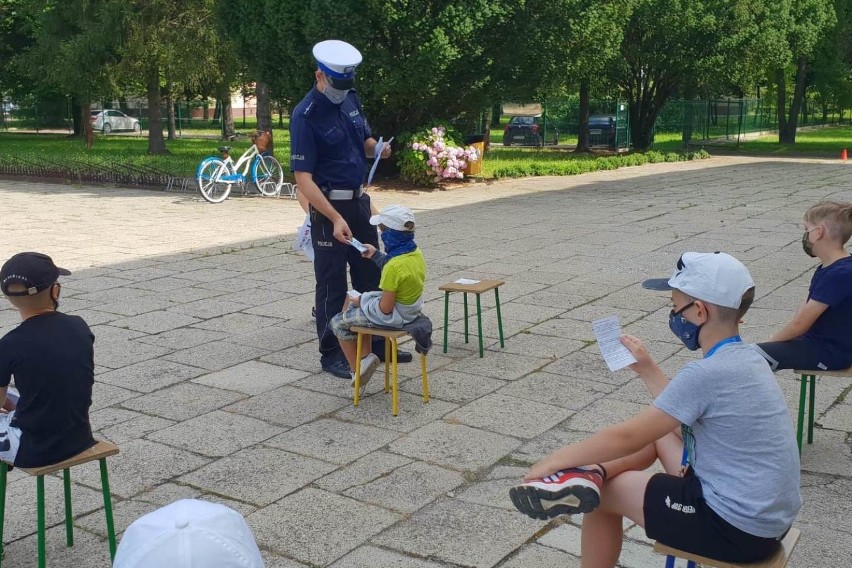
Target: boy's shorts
(344,321)
(10,438)
(677,515)
(801,353)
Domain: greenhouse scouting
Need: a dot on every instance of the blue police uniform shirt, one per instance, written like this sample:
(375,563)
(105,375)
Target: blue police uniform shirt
(832,285)
(327,140)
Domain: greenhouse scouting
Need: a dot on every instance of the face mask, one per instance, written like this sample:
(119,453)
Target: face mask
(336,96)
(807,245)
(684,329)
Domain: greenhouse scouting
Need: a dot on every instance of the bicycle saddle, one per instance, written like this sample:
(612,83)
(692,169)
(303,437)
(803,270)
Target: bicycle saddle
(224,149)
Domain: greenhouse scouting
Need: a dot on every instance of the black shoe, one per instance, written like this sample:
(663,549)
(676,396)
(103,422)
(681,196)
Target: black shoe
(401,356)
(337,367)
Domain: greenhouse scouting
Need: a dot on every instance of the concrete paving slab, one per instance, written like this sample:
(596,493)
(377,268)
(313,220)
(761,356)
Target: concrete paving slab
(291,525)
(216,434)
(144,262)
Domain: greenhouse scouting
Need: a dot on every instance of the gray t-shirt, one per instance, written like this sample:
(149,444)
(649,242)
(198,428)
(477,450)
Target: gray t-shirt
(745,452)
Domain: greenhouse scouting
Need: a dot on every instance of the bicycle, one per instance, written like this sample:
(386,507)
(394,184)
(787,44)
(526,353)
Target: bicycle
(217,176)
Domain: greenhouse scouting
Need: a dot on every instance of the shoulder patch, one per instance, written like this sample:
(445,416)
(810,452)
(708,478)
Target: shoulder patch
(309,109)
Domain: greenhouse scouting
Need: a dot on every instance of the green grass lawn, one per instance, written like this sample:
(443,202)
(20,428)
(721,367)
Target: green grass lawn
(118,151)
(828,141)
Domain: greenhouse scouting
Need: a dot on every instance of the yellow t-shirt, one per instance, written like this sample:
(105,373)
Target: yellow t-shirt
(406,275)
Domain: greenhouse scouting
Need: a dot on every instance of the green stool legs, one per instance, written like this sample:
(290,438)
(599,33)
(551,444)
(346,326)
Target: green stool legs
(69,519)
(42,553)
(69,526)
(478,320)
(4,468)
(108,508)
(803,395)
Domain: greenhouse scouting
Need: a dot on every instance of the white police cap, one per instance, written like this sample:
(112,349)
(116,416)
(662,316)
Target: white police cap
(338,60)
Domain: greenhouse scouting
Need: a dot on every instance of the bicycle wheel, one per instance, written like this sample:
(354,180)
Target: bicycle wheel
(209,173)
(267,175)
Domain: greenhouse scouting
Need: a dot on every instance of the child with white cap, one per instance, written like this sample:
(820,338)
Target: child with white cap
(399,302)
(189,533)
(738,494)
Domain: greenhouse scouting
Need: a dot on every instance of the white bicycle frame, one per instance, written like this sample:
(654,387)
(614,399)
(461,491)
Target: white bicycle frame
(234,167)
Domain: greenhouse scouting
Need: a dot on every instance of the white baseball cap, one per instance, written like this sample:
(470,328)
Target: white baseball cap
(394,217)
(338,60)
(714,277)
(189,534)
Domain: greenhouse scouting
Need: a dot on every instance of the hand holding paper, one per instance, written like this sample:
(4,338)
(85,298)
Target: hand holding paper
(608,334)
(357,244)
(377,153)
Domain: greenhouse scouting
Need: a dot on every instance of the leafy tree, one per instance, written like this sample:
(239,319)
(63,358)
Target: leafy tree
(70,52)
(809,22)
(674,46)
(832,64)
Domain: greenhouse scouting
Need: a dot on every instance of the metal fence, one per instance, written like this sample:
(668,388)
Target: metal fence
(609,122)
(191,117)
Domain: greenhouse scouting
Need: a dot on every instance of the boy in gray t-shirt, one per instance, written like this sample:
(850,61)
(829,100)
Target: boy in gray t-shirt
(737,493)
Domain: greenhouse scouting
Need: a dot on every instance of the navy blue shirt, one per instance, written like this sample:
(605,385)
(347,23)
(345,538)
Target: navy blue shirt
(327,140)
(832,285)
(52,359)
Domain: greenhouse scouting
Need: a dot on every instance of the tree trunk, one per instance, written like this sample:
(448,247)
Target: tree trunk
(781,111)
(228,128)
(280,115)
(85,119)
(170,110)
(77,117)
(583,145)
(264,112)
(486,128)
(156,143)
(206,107)
(787,134)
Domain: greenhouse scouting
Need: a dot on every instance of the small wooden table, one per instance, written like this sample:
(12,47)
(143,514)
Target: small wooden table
(477,288)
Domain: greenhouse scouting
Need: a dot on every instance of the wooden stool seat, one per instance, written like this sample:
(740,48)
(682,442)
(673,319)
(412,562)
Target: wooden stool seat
(803,397)
(477,288)
(100,452)
(777,560)
(391,369)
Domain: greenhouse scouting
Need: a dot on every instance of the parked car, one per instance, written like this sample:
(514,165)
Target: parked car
(523,130)
(602,129)
(109,120)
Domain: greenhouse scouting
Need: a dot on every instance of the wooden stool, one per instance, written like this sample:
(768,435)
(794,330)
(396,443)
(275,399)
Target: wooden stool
(478,289)
(100,451)
(777,560)
(391,336)
(803,395)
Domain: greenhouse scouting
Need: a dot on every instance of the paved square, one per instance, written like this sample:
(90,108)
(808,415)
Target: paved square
(207,374)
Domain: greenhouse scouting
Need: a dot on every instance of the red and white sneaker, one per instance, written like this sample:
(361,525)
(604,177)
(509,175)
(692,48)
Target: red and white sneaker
(569,492)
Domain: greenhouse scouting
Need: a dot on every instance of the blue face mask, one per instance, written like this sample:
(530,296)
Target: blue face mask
(684,329)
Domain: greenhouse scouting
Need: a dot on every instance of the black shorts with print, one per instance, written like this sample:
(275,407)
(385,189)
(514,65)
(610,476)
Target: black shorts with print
(677,515)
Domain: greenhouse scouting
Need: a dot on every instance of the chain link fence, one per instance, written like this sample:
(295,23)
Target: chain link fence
(200,118)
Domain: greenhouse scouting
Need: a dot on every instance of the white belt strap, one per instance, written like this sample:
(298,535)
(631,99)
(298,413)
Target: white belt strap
(344,194)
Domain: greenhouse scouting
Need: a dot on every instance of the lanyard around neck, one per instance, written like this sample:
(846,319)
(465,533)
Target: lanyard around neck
(733,339)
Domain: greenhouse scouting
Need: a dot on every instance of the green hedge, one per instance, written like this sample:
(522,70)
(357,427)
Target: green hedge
(581,165)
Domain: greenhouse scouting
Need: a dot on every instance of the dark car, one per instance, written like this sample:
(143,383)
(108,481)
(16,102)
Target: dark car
(523,130)
(602,130)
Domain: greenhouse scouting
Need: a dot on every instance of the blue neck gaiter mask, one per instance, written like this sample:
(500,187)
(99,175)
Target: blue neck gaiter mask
(398,242)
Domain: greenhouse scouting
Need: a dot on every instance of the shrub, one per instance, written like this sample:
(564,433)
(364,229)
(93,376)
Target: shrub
(432,155)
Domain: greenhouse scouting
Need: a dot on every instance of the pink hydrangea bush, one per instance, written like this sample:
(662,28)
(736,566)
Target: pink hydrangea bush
(444,160)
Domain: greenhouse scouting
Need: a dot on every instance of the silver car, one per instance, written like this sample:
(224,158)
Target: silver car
(108,120)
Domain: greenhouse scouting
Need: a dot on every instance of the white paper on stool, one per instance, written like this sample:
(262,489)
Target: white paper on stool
(466,281)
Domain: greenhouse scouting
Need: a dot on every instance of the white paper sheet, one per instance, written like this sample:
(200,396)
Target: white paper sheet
(357,244)
(467,281)
(378,156)
(608,334)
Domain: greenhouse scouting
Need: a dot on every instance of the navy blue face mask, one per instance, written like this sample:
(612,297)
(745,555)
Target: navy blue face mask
(684,329)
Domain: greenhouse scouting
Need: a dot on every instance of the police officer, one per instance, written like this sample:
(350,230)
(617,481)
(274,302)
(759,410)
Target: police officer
(330,141)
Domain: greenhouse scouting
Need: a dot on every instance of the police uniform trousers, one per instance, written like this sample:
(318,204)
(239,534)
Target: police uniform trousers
(331,258)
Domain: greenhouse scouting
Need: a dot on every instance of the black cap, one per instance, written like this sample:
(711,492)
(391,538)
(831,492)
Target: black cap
(36,271)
